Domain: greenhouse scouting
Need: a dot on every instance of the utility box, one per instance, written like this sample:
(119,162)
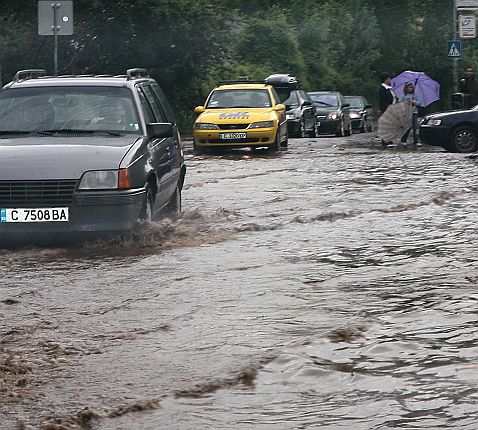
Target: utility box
(53,14)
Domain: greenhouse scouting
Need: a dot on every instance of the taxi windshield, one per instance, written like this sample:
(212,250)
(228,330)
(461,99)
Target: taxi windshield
(243,98)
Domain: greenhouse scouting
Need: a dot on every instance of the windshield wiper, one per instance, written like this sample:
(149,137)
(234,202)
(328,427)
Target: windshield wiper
(323,103)
(82,131)
(20,132)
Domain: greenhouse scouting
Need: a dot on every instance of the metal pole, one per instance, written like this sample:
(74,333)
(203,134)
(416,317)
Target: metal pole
(455,60)
(55,7)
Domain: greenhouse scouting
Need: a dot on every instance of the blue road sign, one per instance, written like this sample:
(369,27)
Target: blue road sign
(453,48)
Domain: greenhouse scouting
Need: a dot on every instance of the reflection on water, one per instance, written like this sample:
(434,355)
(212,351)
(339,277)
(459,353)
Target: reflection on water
(327,287)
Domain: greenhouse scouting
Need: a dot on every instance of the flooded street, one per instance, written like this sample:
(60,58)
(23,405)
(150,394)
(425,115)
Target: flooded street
(332,285)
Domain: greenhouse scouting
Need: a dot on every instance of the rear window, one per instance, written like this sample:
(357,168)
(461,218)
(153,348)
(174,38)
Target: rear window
(85,108)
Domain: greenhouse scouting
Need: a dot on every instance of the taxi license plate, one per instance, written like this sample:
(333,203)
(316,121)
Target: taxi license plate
(232,135)
(34,215)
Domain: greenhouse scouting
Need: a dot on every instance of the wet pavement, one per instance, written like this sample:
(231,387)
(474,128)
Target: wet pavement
(332,285)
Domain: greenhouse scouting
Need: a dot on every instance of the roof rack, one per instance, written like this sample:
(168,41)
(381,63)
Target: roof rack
(136,73)
(23,75)
(240,81)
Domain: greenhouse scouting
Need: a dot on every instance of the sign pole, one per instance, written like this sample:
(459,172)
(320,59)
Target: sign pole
(55,34)
(455,61)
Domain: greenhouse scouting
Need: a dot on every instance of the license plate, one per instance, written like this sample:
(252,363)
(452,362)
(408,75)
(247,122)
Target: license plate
(34,215)
(232,135)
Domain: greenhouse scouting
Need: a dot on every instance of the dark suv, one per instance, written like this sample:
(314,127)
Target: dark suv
(86,153)
(300,112)
(333,113)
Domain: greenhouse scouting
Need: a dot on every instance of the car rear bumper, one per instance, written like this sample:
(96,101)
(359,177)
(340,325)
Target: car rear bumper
(91,212)
(433,135)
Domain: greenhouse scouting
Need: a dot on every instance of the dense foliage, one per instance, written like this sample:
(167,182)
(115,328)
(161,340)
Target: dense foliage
(189,45)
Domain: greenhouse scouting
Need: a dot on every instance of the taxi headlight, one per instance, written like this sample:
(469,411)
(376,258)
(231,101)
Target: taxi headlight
(99,180)
(333,115)
(354,115)
(262,124)
(290,116)
(205,126)
(434,122)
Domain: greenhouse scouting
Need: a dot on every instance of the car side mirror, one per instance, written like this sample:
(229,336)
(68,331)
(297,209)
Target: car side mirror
(279,106)
(159,129)
(306,103)
(199,109)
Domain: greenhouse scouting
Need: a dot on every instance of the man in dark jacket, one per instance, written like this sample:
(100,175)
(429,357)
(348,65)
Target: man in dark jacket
(468,85)
(386,96)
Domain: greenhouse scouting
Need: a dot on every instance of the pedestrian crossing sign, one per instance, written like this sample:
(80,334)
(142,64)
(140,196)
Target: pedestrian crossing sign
(453,47)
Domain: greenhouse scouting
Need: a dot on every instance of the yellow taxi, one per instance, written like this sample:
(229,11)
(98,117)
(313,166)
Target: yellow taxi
(241,114)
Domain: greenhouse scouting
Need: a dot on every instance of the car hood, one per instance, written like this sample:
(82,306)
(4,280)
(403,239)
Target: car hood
(41,158)
(452,114)
(325,110)
(236,115)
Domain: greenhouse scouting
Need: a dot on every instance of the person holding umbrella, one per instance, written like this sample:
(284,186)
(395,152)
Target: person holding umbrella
(414,101)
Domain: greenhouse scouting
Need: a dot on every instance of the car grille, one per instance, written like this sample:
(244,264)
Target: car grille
(36,193)
(233,126)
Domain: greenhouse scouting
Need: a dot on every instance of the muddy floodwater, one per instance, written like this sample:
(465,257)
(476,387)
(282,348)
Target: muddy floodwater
(333,285)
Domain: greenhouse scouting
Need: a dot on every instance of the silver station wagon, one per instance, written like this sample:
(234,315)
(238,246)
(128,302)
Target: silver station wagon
(89,153)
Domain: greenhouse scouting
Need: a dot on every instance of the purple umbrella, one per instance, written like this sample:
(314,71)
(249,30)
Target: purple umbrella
(426,88)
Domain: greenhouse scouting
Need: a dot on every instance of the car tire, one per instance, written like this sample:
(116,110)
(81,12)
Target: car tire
(315,131)
(285,143)
(302,132)
(340,131)
(348,132)
(370,127)
(197,149)
(464,140)
(146,213)
(174,206)
(276,145)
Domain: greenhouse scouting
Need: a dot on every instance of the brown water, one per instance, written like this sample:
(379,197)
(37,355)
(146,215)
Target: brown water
(333,286)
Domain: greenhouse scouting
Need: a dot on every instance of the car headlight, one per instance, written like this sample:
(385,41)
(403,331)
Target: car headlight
(434,122)
(262,124)
(333,115)
(354,115)
(105,180)
(205,126)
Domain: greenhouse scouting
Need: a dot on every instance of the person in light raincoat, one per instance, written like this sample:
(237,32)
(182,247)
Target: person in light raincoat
(410,97)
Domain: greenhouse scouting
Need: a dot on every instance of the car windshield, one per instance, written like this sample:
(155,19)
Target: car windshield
(324,99)
(67,108)
(244,98)
(355,102)
(293,99)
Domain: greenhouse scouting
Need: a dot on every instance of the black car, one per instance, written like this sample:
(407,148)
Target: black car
(70,163)
(456,131)
(361,113)
(332,112)
(300,112)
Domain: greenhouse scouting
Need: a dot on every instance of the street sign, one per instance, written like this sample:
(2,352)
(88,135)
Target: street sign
(466,4)
(55,16)
(467,27)
(453,47)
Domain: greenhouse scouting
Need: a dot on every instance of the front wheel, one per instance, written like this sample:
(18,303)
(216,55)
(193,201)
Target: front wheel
(302,132)
(340,131)
(276,145)
(146,214)
(464,139)
(174,206)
